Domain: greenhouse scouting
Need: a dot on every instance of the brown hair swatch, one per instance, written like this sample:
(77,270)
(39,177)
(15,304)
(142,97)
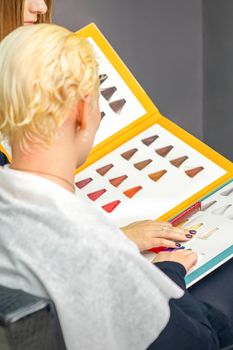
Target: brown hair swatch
(164,150)
(178,161)
(117,105)
(103,170)
(143,164)
(108,92)
(149,140)
(129,154)
(194,171)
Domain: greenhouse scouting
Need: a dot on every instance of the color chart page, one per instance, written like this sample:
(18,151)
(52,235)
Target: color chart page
(146,177)
(213,241)
(118,104)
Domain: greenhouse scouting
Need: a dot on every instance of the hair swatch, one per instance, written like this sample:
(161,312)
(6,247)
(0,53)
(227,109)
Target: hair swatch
(83,183)
(157,175)
(149,140)
(164,150)
(132,191)
(103,77)
(104,169)
(95,195)
(129,154)
(178,161)
(227,192)
(117,105)
(221,210)
(194,171)
(194,227)
(111,206)
(141,165)
(208,234)
(207,205)
(102,115)
(118,180)
(108,92)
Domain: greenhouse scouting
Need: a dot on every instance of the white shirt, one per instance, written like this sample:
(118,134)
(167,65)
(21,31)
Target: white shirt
(54,244)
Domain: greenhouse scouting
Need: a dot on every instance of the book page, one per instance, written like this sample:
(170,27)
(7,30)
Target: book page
(118,105)
(146,177)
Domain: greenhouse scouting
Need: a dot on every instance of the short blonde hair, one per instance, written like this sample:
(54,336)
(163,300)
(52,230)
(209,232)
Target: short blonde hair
(44,70)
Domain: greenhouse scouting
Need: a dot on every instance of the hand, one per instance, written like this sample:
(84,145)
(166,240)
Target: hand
(185,257)
(148,234)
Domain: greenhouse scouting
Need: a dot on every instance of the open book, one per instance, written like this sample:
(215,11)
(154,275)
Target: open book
(143,166)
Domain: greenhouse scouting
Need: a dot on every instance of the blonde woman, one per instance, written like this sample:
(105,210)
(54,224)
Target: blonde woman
(53,243)
(146,234)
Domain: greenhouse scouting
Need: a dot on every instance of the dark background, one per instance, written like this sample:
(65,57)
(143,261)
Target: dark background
(180,51)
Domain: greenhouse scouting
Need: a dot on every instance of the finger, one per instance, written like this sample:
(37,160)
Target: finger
(164,223)
(165,243)
(173,236)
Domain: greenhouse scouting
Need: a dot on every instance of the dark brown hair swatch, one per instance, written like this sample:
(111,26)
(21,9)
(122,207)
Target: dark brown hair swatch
(118,180)
(102,115)
(194,171)
(108,92)
(104,169)
(117,105)
(103,77)
(157,175)
(149,140)
(129,154)
(141,165)
(164,150)
(178,161)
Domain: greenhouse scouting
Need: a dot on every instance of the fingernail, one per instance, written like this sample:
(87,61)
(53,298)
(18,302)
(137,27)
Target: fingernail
(178,245)
(189,236)
(193,232)
(179,248)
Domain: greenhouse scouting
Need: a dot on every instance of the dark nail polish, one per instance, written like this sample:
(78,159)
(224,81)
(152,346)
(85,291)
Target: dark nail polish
(178,245)
(193,232)
(179,248)
(188,235)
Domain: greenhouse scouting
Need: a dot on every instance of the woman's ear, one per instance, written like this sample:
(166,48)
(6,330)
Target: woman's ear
(82,112)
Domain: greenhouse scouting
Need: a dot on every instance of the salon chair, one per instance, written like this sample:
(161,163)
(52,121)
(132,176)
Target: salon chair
(28,322)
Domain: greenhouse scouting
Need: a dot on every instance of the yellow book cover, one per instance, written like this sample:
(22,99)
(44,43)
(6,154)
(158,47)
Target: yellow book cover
(143,166)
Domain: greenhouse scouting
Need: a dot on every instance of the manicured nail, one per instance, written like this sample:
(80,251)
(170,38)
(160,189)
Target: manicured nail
(178,245)
(193,232)
(179,248)
(189,236)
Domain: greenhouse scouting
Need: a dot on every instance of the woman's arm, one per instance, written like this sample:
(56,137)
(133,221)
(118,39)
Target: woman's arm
(191,323)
